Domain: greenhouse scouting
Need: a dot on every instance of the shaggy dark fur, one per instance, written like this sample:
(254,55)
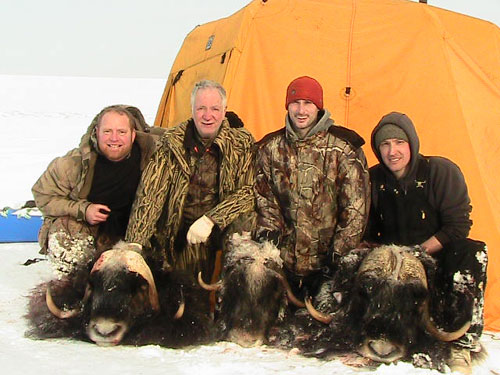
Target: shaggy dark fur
(147,327)
(373,308)
(252,297)
(42,324)
(194,328)
(251,312)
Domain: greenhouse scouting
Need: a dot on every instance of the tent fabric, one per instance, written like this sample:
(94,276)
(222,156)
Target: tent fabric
(371,56)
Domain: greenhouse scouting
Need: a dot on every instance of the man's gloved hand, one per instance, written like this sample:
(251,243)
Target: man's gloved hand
(200,230)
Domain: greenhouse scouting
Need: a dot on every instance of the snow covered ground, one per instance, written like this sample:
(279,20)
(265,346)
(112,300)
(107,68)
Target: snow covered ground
(44,117)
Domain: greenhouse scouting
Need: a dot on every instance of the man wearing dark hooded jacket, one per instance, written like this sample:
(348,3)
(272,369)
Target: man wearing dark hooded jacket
(86,195)
(423,200)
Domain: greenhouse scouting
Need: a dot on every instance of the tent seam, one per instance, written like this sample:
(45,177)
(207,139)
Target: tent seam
(349,62)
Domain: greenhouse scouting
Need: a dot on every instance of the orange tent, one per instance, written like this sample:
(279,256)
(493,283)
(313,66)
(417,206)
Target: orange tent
(371,57)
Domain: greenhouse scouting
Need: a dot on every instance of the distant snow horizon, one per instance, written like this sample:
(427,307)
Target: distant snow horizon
(43,117)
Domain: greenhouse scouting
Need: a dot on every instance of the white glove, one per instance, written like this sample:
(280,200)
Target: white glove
(200,230)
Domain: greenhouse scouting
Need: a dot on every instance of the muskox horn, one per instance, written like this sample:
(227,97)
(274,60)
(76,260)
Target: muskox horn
(180,310)
(291,297)
(319,316)
(438,333)
(65,314)
(210,287)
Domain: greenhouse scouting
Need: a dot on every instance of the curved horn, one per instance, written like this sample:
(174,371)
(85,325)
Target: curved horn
(319,316)
(153,296)
(180,310)
(438,333)
(291,297)
(210,287)
(136,263)
(64,314)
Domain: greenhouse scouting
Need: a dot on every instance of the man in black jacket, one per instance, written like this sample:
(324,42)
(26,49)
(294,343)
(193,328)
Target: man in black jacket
(420,200)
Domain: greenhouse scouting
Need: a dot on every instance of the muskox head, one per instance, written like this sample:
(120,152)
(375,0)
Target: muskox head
(252,293)
(120,290)
(387,302)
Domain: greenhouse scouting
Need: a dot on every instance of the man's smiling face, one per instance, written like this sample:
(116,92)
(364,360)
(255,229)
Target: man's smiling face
(208,112)
(303,114)
(396,155)
(115,136)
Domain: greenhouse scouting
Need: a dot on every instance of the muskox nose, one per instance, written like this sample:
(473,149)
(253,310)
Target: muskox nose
(382,348)
(106,332)
(246,339)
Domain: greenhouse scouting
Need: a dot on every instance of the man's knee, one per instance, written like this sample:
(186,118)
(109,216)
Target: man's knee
(70,245)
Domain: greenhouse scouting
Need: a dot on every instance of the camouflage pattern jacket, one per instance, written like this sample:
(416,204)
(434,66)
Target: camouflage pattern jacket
(312,194)
(158,209)
(63,188)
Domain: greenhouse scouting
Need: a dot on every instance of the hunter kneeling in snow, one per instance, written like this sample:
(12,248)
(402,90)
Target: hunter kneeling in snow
(86,195)
(423,200)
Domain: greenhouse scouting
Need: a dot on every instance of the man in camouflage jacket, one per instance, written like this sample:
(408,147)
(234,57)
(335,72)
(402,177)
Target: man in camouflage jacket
(197,187)
(312,188)
(86,195)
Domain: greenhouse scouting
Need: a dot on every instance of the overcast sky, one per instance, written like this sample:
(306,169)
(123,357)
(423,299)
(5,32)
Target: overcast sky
(123,38)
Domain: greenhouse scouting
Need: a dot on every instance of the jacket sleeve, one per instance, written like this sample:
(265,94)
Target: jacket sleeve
(149,200)
(240,200)
(451,200)
(270,222)
(373,225)
(353,200)
(52,191)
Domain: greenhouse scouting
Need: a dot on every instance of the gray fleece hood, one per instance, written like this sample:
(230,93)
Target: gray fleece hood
(324,122)
(403,122)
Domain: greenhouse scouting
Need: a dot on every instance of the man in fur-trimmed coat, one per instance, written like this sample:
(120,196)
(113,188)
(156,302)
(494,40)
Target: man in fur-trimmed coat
(86,195)
(197,187)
